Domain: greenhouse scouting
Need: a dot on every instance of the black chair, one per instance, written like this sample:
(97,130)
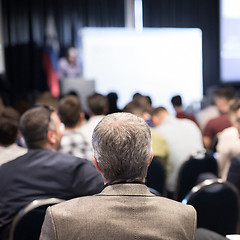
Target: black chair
(201,162)
(217,206)
(156,175)
(28,222)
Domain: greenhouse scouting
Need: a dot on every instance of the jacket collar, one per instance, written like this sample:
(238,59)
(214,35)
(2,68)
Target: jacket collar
(126,189)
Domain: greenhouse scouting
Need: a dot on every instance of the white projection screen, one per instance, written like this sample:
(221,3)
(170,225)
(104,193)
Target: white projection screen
(159,62)
(230,40)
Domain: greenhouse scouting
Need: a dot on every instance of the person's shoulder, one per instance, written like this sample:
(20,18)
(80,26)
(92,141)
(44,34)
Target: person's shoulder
(69,158)
(79,204)
(229,132)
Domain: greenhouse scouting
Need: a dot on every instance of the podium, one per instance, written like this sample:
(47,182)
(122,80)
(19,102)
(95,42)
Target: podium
(82,87)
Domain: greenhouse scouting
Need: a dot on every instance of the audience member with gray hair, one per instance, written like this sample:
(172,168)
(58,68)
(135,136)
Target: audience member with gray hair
(43,172)
(125,209)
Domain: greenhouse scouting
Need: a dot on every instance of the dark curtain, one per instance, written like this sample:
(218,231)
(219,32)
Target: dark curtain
(24,24)
(203,14)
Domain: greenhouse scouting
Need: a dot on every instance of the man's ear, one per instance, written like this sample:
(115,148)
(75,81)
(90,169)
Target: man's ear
(82,116)
(51,137)
(96,165)
(150,159)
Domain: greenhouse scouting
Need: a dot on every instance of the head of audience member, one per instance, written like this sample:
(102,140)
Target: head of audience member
(122,148)
(177,103)
(144,102)
(223,97)
(98,104)
(22,104)
(9,118)
(41,128)
(70,112)
(158,115)
(135,108)
(46,98)
(234,114)
(136,96)
(112,102)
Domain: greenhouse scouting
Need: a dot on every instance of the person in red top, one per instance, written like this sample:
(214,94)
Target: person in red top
(177,105)
(223,97)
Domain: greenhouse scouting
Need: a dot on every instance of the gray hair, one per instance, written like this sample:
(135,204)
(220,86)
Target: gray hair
(122,147)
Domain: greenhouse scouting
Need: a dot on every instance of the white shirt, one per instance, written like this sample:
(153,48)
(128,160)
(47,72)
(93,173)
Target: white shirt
(87,129)
(228,146)
(73,142)
(184,138)
(11,152)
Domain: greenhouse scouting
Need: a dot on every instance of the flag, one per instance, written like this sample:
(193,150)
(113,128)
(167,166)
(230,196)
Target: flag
(50,56)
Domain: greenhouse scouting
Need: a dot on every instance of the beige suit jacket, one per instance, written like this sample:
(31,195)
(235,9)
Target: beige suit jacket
(120,211)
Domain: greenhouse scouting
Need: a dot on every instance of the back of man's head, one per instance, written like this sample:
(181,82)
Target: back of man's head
(135,108)
(158,115)
(223,97)
(98,104)
(122,147)
(69,110)
(9,118)
(176,101)
(34,125)
(226,93)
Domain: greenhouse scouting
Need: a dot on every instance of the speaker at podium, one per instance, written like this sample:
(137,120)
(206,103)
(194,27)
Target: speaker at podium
(79,85)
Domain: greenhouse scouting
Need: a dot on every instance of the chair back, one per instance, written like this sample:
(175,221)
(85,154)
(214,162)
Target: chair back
(199,163)
(156,175)
(217,206)
(28,222)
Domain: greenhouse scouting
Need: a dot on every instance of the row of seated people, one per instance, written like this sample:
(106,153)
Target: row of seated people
(167,135)
(162,145)
(122,152)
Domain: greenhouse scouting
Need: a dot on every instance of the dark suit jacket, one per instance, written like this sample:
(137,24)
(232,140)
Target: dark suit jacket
(120,211)
(234,170)
(44,173)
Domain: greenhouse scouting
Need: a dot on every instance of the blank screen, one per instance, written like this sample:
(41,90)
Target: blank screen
(230,40)
(159,62)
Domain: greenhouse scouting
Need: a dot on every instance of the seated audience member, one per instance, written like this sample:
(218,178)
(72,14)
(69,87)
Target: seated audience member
(125,209)
(98,107)
(112,102)
(183,137)
(46,98)
(208,109)
(22,104)
(228,144)
(146,103)
(223,98)
(68,67)
(9,149)
(159,144)
(205,234)
(178,106)
(73,141)
(43,171)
